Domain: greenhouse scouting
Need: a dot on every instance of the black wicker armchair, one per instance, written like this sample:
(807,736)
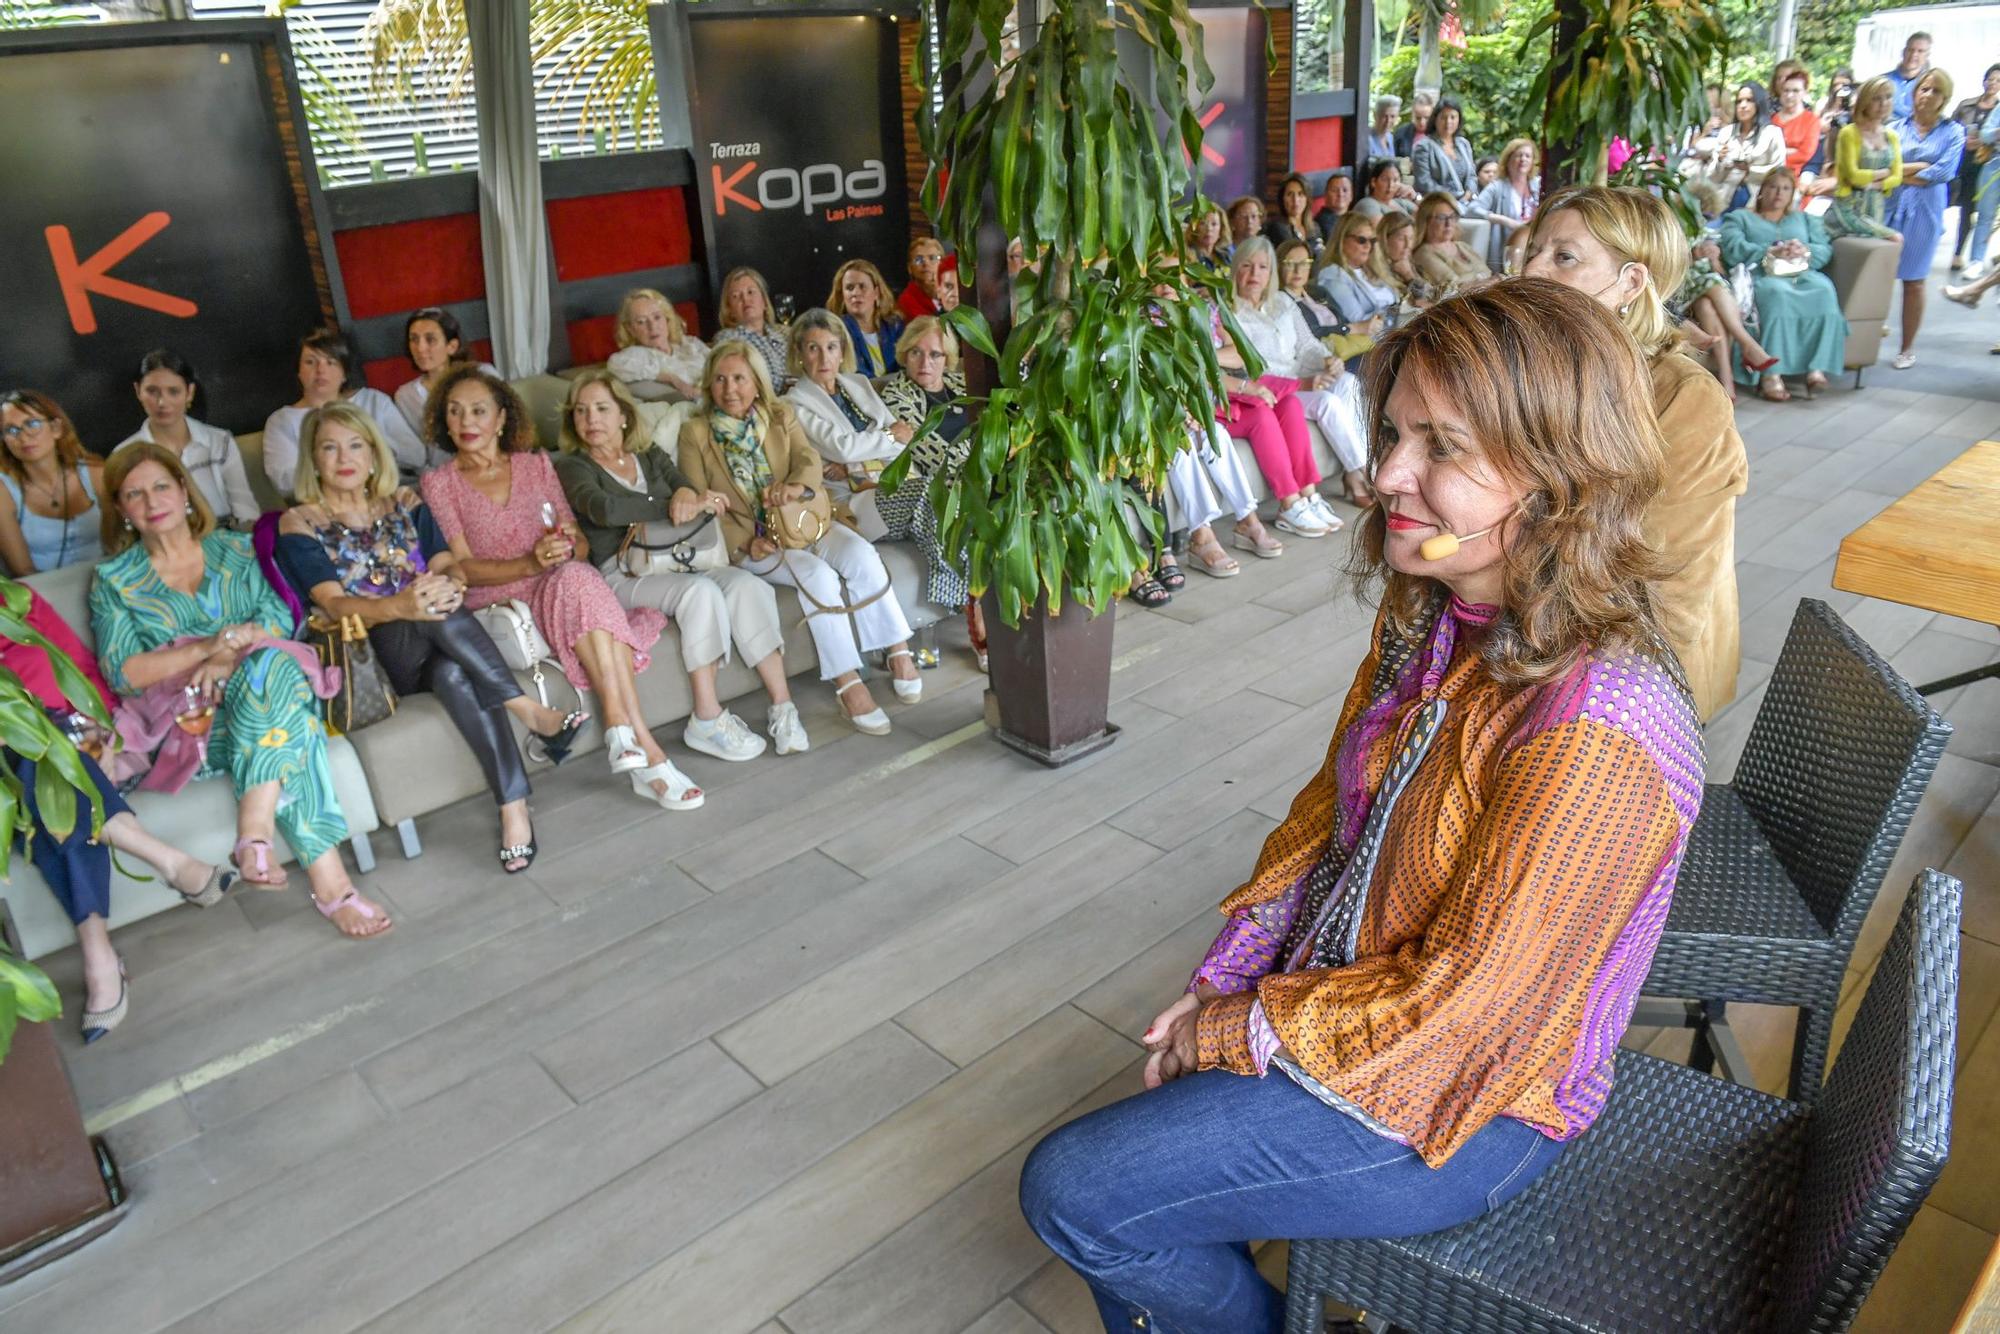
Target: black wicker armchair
(1696,1203)
(1785,860)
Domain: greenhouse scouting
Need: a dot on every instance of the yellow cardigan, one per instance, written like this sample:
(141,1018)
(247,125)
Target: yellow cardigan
(1848,173)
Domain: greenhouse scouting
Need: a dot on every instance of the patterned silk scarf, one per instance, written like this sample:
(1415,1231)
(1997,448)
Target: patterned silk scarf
(742,440)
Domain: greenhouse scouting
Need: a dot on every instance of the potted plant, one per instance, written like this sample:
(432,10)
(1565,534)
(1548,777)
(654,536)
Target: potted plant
(1095,383)
(58,1187)
(1618,69)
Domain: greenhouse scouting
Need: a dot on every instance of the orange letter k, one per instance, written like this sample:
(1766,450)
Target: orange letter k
(724,193)
(80,280)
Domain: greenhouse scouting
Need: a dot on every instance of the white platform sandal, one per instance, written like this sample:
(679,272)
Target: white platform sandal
(681,795)
(621,747)
(909,691)
(875,722)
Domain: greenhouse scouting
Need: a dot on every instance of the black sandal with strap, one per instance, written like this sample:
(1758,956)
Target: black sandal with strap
(1150,593)
(523,853)
(555,748)
(1170,577)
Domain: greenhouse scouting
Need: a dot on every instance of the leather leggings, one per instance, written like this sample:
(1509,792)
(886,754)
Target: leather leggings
(456,660)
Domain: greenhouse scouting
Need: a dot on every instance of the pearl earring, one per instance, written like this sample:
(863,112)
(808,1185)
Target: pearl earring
(1625,310)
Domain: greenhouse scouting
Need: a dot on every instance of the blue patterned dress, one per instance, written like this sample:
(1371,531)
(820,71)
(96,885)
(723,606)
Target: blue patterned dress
(267,727)
(1917,209)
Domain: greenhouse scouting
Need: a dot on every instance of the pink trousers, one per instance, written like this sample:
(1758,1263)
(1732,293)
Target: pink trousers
(1277,435)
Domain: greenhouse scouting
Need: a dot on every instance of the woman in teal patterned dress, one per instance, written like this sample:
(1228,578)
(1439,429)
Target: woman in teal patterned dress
(1798,312)
(181,600)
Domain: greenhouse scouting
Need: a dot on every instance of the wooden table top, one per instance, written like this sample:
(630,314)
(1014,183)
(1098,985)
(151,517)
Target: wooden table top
(1939,546)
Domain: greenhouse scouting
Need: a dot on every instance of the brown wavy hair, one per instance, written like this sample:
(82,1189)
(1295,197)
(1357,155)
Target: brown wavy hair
(517,431)
(69,445)
(1558,398)
(116,533)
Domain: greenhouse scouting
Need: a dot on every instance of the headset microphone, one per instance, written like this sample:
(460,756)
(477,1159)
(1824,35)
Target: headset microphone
(1446,545)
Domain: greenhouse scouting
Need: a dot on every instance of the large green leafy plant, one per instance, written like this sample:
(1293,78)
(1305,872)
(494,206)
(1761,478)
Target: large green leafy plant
(1635,69)
(1098,378)
(26,729)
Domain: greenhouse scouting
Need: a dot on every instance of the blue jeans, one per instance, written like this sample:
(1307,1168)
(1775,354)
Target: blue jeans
(1154,1200)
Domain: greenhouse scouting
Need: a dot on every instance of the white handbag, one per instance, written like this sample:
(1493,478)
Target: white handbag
(667,548)
(520,641)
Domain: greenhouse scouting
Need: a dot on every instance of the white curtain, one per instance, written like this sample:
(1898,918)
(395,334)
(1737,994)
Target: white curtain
(512,227)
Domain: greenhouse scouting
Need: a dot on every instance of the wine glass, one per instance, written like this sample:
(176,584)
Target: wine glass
(196,713)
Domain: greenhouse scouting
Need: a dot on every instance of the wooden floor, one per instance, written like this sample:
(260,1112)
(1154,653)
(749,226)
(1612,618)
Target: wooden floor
(773,1065)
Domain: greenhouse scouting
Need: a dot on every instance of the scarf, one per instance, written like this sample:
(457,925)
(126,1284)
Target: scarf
(742,441)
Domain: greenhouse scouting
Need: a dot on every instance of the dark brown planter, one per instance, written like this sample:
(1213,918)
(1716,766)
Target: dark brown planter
(1052,681)
(58,1189)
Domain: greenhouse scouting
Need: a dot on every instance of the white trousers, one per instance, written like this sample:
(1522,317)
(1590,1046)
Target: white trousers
(1338,413)
(1205,482)
(841,569)
(709,609)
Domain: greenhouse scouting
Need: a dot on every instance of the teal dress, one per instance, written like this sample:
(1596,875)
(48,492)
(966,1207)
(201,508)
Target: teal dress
(1798,318)
(267,727)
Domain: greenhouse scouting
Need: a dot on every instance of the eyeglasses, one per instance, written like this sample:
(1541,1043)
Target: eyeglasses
(1360,239)
(31,425)
(925,354)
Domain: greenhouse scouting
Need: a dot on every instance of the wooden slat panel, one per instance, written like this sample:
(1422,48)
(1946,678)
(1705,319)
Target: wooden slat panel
(1278,102)
(1937,547)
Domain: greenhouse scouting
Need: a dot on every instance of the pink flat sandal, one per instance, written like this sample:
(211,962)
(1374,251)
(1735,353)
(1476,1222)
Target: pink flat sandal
(352,898)
(260,872)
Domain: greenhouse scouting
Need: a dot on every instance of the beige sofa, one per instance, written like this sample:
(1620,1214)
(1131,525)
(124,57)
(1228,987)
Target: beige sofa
(201,817)
(1864,277)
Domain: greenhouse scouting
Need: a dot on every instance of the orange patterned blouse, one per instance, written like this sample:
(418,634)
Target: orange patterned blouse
(1453,921)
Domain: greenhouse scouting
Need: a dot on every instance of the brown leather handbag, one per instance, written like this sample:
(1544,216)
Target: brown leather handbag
(365,696)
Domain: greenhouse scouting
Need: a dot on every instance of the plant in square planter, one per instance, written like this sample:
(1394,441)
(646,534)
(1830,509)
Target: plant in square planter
(58,1187)
(1097,383)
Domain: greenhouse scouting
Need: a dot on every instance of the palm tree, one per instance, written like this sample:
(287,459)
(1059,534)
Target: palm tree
(1430,16)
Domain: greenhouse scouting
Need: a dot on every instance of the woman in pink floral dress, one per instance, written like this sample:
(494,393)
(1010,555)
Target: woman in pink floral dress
(500,506)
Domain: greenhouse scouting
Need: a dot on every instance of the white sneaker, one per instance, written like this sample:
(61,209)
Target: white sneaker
(1301,520)
(786,729)
(1320,506)
(723,736)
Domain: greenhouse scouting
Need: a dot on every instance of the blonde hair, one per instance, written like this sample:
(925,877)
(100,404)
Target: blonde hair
(1202,214)
(628,410)
(1560,405)
(114,529)
(1377,267)
(885,300)
(731,320)
(923,326)
(676,326)
(382,476)
(1249,248)
(1879,86)
(1639,229)
(1429,207)
(1514,146)
(824,320)
(1944,86)
(767,397)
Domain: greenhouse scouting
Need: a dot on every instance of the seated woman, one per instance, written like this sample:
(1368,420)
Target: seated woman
(1415,1002)
(1442,161)
(184,617)
(1386,191)
(436,347)
(1706,299)
(1798,313)
(614,478)
(1336,198)
(1285,344)
(166,387)
(842,415)
(49,515)
(1246,219)
(326,368)
(1444,261)
(1205,231)
(654,346)
(748,317)
(1294,221)
(1295,264)
(1396,265)
(1509,201)
(919,296)
(77,869)
(1354,281)
(930,379)
(747,445)
(1625,248)
(1265,410)
(861,297)
(512,535)
(356,544)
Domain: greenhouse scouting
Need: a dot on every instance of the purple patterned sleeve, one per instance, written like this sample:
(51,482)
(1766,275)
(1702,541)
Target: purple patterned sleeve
(1248,945)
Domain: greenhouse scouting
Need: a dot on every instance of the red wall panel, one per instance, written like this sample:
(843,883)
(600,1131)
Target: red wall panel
(1316,144)
(595,339)
(400,266)
(597,235)
(389,373)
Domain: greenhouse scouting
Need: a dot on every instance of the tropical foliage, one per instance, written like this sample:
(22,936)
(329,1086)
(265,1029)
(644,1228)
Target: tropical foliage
(25,994)
(1099,378)
(1488,79)
(1637,70)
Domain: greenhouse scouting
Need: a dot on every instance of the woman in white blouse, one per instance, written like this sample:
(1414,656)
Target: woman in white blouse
(326,370)
(844,418)
(166,386)
(436,347)
(654,346)
(1272,322)
(1741,154)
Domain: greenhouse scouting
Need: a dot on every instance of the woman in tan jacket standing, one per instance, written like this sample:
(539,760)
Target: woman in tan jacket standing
(1625,248)
(747,444)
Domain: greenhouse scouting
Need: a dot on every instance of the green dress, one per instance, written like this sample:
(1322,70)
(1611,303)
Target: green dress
(1859,212)
(267,727)
(1798,317)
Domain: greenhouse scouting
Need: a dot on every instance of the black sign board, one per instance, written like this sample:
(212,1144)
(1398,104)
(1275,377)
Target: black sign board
(796,132)
(148,205)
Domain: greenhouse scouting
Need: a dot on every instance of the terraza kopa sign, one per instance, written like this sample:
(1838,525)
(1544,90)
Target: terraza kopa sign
(808,189)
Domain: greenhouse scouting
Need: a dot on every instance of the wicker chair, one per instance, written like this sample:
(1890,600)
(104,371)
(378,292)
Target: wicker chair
(1695,1203)
(1786,859)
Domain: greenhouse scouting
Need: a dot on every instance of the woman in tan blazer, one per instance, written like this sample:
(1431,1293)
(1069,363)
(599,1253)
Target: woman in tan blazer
(747,443)
(1625,248)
